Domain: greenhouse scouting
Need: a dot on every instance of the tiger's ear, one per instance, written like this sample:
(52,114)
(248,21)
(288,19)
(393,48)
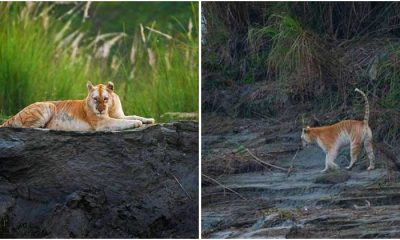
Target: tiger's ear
(306,129)
(89,85)
(110,86)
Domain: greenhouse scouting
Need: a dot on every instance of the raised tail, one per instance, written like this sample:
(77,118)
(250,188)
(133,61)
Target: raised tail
(366,116)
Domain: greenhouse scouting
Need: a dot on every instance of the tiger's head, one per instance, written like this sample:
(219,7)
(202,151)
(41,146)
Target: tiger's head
(100,98)
(305,136)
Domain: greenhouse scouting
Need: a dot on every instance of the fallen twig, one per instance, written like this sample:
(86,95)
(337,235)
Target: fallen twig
(291,164)
(227,188)
(367,205)
(184,190)
(263,162)
(269,118)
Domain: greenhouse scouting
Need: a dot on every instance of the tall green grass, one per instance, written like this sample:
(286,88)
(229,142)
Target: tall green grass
(44,58)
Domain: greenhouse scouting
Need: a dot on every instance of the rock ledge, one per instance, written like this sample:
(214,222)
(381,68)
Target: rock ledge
(131,184)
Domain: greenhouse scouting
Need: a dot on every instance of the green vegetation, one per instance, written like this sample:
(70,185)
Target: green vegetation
(49,52)
(106,17)
(311,54)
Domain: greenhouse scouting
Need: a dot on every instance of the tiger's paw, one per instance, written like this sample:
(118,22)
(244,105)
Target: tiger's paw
(137,123)
(371,168)
(148,121)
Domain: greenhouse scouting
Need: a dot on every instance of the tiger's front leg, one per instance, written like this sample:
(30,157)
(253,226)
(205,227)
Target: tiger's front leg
(330,161)
(142,119)
(118,112)
(112,124)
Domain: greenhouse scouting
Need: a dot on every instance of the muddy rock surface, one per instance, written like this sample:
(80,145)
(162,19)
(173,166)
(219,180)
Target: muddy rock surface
(244,198)
(141,183)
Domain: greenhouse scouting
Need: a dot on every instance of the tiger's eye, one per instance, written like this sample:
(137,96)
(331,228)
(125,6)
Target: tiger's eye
(106,99)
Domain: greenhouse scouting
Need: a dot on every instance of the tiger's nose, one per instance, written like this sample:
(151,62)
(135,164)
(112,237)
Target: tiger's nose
(100,109)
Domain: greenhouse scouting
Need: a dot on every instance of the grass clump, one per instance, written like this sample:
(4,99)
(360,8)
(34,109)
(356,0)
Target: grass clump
(296,56)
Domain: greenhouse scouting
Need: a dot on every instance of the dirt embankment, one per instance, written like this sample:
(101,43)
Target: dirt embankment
(130,184)
(244,197)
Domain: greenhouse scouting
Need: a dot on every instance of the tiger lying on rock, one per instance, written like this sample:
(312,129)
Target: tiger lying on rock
(101,110)
(332,138)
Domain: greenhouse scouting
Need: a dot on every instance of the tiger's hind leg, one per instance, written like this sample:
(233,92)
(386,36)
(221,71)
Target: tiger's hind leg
(370,153)
(354,152)
(36,115)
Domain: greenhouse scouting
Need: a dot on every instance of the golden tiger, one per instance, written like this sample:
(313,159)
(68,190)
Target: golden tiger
(101,110)
(332,138)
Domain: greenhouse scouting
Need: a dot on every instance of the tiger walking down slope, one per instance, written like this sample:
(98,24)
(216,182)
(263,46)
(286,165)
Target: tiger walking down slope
(332,138)
(101,110)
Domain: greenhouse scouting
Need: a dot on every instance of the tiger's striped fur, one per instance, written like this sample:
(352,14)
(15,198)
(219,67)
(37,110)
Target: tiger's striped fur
(101,110)
(332,138)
